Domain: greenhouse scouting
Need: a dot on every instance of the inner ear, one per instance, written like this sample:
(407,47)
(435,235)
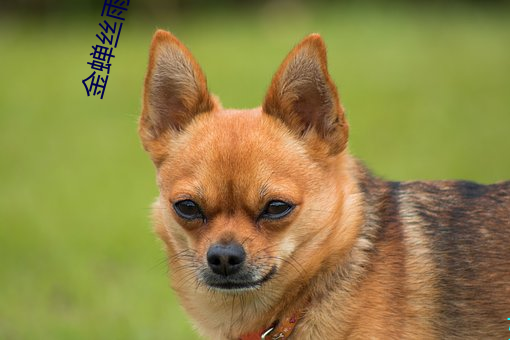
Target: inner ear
(305,98)
(310,99)
(175,88)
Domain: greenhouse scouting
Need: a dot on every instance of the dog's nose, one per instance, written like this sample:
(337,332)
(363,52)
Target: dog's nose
(226,259)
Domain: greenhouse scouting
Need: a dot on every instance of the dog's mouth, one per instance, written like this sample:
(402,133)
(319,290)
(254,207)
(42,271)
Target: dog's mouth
(237,284)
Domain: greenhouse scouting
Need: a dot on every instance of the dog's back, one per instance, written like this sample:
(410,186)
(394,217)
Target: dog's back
(447,244)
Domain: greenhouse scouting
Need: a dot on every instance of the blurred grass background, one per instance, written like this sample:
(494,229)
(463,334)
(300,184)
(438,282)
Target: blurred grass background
(427,91)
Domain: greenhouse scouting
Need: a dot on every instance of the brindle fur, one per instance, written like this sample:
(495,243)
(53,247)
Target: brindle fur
(444,246)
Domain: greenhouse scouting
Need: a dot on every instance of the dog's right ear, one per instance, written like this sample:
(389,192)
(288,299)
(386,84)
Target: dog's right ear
(175,89)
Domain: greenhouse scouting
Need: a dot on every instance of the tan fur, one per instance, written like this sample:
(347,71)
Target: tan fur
(355,255)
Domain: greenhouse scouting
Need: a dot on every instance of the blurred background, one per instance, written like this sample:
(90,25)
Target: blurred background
(426,85)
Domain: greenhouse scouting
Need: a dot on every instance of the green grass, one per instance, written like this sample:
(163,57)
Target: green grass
(427,96)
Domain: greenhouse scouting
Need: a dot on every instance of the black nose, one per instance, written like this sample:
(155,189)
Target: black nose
(226,259)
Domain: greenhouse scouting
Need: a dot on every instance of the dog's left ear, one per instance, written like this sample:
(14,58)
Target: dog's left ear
(305,98)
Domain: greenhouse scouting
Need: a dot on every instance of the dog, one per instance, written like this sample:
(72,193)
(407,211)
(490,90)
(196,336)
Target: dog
(273,230)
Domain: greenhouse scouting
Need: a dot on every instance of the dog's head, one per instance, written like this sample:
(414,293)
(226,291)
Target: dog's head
(246,196)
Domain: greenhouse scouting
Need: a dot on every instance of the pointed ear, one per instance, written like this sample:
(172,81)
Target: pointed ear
(305,98)
(175,88)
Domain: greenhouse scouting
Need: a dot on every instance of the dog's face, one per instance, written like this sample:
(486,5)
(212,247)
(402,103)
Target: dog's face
(246,196)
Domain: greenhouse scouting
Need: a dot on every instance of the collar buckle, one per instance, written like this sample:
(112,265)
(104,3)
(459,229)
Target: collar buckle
(266,333)
(274,337)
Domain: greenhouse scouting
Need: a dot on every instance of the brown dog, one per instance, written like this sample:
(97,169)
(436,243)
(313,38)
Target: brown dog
(272,228)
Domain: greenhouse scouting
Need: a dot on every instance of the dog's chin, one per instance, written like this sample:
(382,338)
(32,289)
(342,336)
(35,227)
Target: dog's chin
(242,283)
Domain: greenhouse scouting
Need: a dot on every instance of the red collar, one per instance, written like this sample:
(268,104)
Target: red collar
(279,330)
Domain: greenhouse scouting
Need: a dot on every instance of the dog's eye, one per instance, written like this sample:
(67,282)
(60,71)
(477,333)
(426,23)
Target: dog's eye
(188,210)
(275,210)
